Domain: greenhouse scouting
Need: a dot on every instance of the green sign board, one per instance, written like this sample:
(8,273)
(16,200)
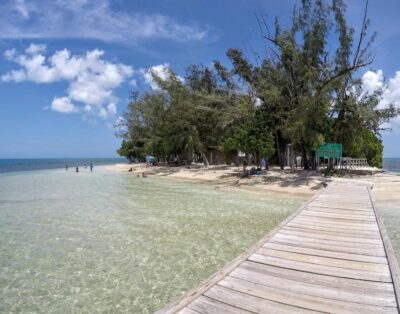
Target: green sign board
(329,150)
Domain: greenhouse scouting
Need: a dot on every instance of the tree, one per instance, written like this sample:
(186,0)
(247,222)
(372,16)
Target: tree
(252,136)
(301,78)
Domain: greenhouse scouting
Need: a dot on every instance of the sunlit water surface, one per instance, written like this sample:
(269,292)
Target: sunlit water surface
(111,242)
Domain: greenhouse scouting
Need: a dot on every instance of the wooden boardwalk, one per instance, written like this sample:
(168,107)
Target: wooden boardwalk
(331,256)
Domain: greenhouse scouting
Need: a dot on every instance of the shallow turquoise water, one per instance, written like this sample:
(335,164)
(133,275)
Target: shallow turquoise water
(111,242)
(391,219)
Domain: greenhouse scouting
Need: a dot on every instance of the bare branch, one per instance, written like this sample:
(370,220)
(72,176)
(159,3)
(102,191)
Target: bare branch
(362,33)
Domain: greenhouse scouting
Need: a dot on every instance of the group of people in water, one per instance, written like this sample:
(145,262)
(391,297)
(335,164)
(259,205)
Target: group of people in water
(144,175)
(77,167)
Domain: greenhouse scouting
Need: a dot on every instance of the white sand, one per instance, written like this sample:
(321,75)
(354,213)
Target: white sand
(386,187)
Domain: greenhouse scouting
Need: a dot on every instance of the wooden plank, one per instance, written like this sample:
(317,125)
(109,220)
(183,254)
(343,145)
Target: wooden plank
(347,295)
(329,223)
(328,261)
(330,205)
(330,227)
(320,269)
(362,286)
(316,235)
(206,305)
(187,311)
(339,215)
(300,300)
(343,204)
(324,253)
(372,247)
(369,213)
(332,231)
(251,303)
(334,220)
(328,247)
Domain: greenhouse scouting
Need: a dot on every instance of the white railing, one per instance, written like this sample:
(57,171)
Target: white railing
(353,163)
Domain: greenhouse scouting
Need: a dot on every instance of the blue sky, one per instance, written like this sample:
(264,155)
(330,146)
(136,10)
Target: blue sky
(67,67)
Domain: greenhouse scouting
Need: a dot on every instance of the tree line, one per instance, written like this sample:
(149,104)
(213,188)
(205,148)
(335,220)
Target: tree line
(305,90)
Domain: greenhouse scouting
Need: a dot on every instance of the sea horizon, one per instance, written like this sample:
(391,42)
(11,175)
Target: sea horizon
(31,164)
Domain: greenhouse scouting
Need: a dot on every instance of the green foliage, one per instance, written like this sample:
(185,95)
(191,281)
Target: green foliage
(252,136)
(128,151)
(182,120)
(367,145)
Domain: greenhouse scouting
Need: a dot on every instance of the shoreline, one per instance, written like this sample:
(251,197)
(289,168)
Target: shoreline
(298,184)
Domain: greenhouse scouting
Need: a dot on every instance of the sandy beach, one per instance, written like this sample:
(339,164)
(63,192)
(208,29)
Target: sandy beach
(385,186)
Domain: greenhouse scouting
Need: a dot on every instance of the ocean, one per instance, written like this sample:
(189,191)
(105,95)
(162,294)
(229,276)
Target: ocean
(12,165)
(110,242)
(391,164)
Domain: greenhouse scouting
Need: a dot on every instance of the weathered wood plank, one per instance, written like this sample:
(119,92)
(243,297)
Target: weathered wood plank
(209,306)
(334,220)
(347,295)
(368,287)
(300,300)
(372,247)
(333,231)
(324,253)
(330,223)
(321,269)
(187,311)
(243,300)
(339,215)
(368,213)
(329,247)
(323,236)
(328,261)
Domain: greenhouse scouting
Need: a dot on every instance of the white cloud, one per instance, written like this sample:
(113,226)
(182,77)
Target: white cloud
(372,81)
(35,49)
(91,79)
(63,105)
(98,20)
(161,70)
(391,90)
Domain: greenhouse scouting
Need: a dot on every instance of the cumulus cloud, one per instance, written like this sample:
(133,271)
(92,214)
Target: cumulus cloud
(372,81)
(36,19)
(161,70)
(63,105)
(91,79)
(391,90)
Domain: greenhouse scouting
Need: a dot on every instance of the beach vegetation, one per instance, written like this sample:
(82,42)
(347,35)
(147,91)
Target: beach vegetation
(304,91)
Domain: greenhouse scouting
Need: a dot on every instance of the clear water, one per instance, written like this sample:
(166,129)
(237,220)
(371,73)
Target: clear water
(111,242)
(12,165)
(391,220)
(391,164)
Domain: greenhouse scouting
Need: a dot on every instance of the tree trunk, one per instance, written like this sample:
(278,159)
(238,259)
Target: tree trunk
(278,139)
(313,161)
(205,160)
(305,161)
(330,164)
